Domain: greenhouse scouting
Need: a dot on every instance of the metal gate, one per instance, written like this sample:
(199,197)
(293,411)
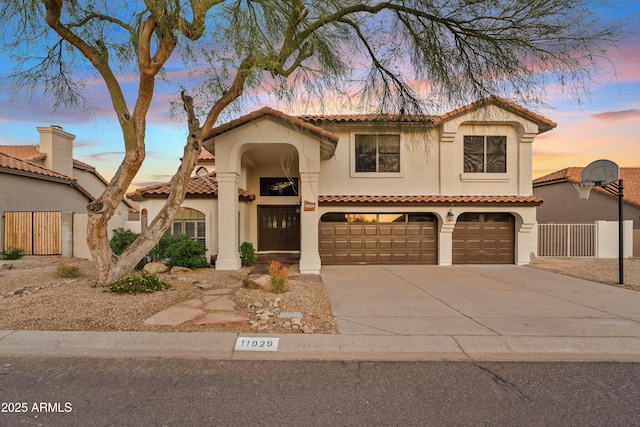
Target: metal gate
(37,233)
(567,240)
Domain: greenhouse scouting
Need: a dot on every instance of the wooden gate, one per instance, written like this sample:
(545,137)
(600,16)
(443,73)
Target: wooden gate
(37,233)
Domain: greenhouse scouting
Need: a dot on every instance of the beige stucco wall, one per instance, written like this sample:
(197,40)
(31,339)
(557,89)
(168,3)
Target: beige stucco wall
(209,207)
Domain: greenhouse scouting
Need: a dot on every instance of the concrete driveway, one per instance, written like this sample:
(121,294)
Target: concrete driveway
(476,300)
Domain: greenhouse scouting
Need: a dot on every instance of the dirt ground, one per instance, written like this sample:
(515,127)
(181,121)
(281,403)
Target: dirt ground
(596,270)
(32,297)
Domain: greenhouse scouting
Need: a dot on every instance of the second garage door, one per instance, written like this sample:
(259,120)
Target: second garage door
(484,238)
(378,238)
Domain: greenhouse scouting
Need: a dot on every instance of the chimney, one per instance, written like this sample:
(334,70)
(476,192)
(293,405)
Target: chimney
(58,146)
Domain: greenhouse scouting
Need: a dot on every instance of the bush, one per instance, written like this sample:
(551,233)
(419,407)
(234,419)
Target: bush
(121,240)
(138,283)
(278,273)
(248,254)
(187,253)
(12,253)
(67,270)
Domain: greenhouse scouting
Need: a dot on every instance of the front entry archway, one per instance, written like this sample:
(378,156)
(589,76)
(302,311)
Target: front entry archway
(278,228)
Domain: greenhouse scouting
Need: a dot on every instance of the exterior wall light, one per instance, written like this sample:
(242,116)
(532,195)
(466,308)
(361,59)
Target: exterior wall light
(450,215)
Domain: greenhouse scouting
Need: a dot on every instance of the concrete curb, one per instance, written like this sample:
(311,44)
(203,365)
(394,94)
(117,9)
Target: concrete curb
(220,346)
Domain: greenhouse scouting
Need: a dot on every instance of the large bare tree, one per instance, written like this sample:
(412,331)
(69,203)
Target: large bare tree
(376,51)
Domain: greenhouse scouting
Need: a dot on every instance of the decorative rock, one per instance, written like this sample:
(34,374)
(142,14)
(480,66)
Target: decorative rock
(286,325)
(307,329)
(205,285)
(6,266)
(276,302)
(290,314)
(156,268)
(179,270)
(192,303)
(258,304)
(259,324)
(263,316)
(257,281)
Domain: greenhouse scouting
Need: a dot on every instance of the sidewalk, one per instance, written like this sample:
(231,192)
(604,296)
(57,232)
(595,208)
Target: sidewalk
(407,313)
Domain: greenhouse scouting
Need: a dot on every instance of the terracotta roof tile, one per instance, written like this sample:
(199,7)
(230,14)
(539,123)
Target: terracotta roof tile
(630,175)
(24,152)
(206,156)
(198,186)
(433,120)
(367,118)
(547,124)
(10,162)
(430,200)
(270,112)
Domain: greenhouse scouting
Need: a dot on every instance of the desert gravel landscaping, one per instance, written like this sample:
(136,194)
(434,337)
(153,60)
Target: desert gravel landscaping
(33,298)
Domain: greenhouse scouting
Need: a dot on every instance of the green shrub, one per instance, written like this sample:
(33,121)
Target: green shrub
(12,253)
(63,269)
(138,283)
(121,240)
(248,254)
(187,253)
(159,251)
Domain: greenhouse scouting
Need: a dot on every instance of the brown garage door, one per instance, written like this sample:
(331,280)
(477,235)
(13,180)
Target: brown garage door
(377,238)
(484,238)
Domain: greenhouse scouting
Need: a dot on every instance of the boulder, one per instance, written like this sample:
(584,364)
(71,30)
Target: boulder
(156,268)
(257,281)
(180,270)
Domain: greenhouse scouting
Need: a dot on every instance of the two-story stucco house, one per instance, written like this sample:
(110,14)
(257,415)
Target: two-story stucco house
(354,189)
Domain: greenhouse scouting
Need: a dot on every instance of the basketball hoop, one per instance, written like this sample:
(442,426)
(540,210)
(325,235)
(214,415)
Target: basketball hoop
(584,188)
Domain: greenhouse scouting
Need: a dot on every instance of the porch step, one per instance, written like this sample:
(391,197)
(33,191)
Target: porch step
(285,258)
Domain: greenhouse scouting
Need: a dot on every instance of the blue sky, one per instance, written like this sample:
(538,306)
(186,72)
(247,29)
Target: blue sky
(605,124)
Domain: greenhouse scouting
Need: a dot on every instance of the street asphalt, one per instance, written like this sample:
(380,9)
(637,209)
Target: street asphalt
(405,312)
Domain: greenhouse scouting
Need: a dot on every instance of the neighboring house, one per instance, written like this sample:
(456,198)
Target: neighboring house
(354,189)
(562,205)
(46,178)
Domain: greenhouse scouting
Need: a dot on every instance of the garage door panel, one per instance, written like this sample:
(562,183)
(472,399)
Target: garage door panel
(378,243)
(484,242)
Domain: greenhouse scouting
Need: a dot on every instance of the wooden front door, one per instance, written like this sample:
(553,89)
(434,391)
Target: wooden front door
(279,228)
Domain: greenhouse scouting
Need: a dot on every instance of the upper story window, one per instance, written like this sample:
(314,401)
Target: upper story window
(485,154)
(377,153)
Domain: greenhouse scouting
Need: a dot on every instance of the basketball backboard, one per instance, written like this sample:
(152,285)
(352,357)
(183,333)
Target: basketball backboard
(600,172)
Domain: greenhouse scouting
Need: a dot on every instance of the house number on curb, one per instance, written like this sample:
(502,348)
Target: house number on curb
(257,344)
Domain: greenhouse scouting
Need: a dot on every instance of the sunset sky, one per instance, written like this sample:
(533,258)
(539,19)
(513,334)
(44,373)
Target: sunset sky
(605,124)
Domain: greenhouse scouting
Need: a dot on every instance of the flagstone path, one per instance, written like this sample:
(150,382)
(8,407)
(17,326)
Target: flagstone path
(214,307)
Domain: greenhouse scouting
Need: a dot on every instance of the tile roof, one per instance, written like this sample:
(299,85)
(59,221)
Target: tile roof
(286,119)
(24,152)
(14,163)
(630,176)
(206,156)
(30,153)
(198,186)
(430,200)
(18,166)
(433,120)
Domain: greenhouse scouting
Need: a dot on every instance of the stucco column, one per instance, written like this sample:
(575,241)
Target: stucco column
(228,256)
(445,243)
(525,242)
(309,256)
(67,233)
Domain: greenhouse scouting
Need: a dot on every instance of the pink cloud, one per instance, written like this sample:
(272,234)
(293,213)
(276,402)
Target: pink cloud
(617,115)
